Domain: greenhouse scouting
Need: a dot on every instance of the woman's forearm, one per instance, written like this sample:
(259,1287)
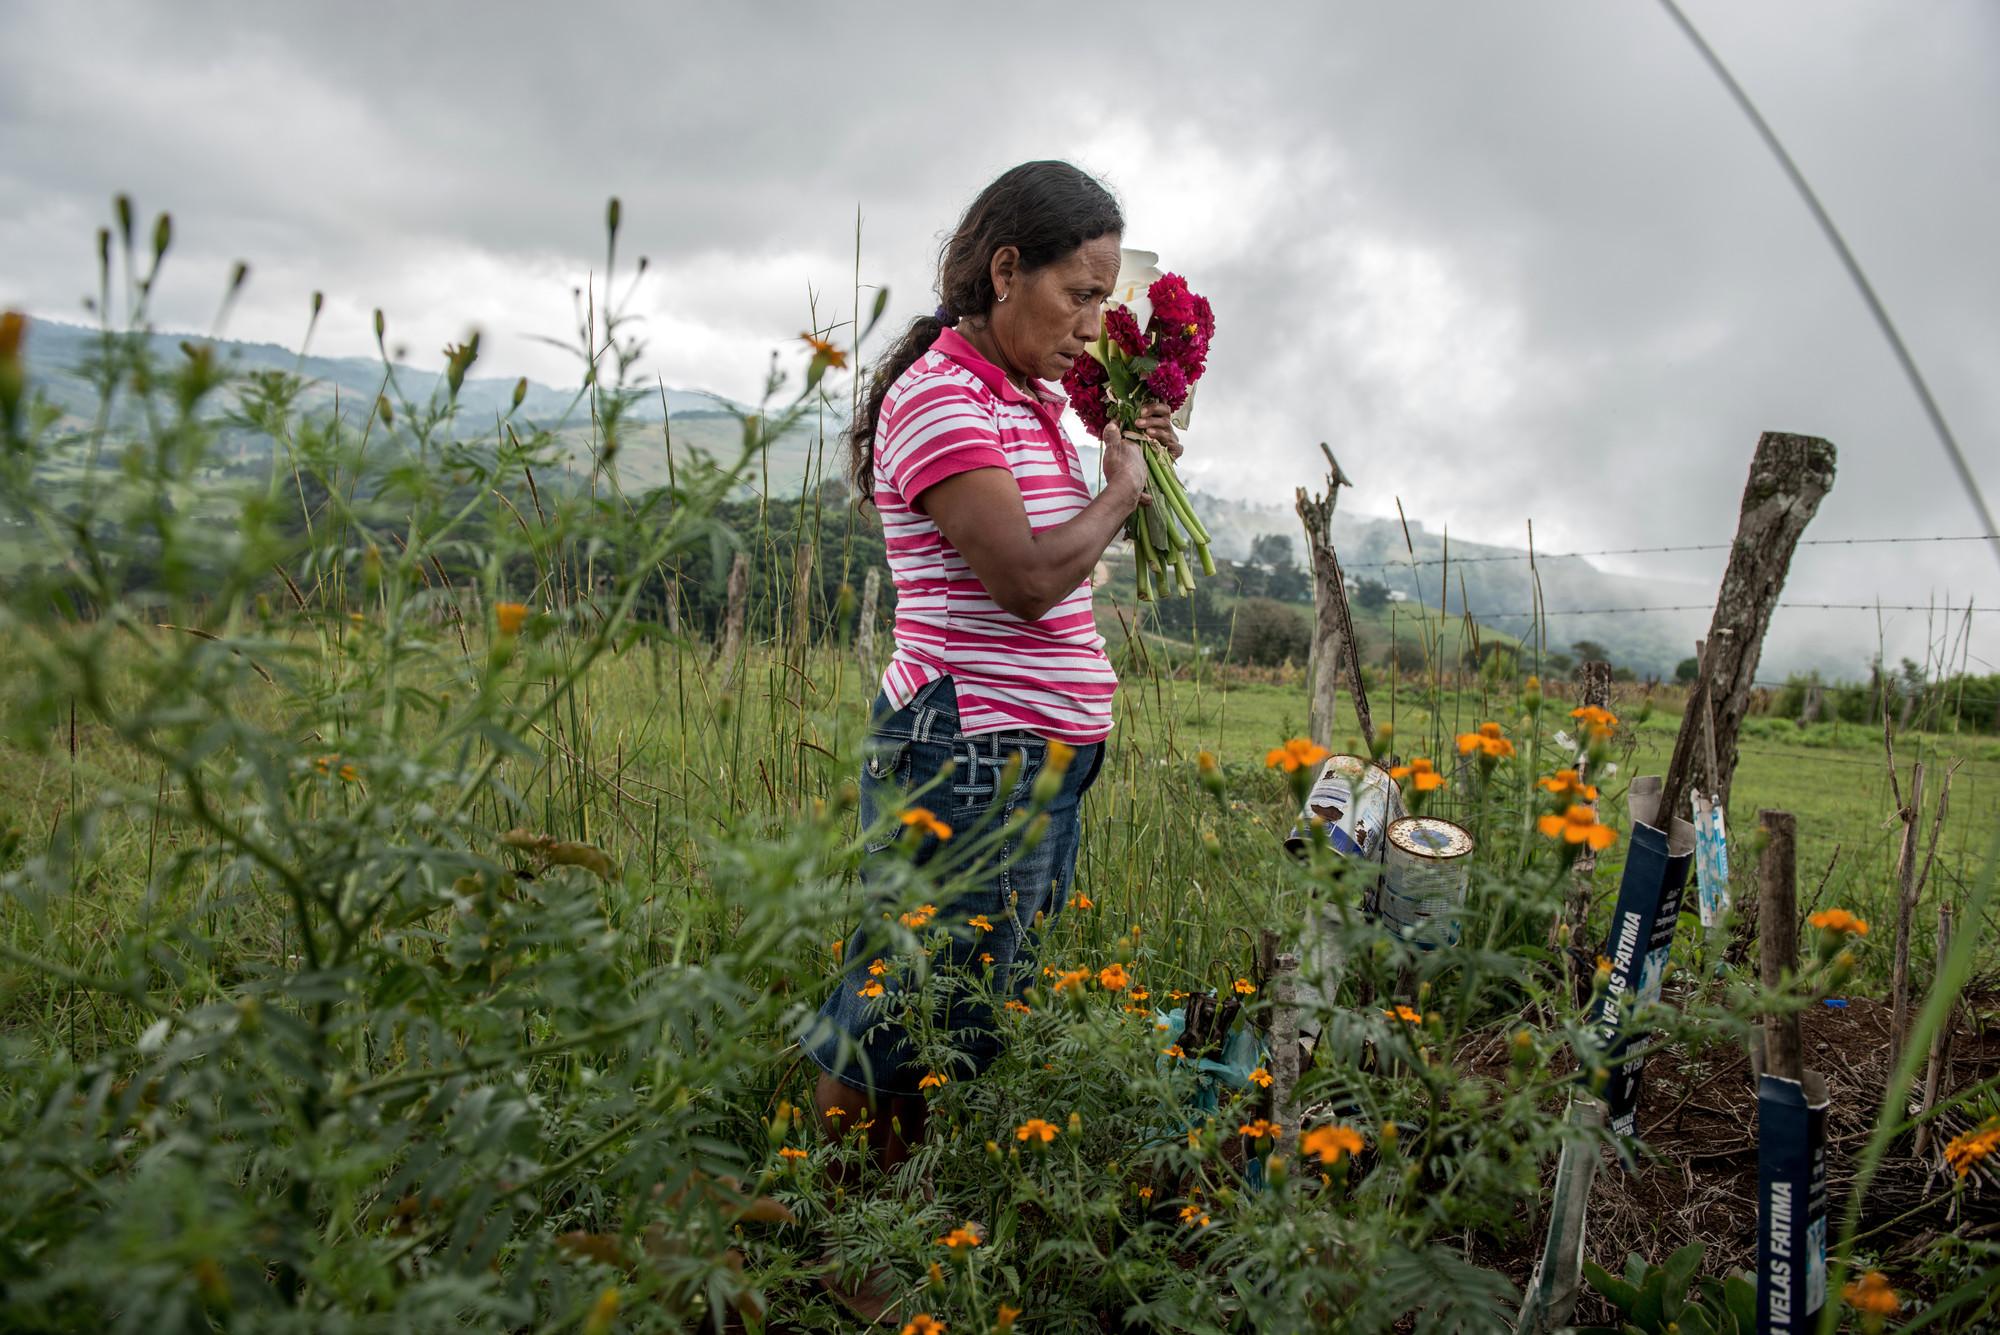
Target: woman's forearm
(1065,555)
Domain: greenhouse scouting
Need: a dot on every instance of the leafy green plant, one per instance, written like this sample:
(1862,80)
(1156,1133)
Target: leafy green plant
(1670,1297)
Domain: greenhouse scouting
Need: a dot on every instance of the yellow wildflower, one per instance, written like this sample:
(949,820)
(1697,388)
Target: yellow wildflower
(510,617)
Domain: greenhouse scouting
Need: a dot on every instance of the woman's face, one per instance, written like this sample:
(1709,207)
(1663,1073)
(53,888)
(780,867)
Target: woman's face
(1051,314)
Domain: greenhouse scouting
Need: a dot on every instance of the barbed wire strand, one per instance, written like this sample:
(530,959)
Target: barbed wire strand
(1652,551)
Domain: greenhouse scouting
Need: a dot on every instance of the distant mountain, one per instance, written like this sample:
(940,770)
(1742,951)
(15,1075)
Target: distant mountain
(1497,583)
(700,421)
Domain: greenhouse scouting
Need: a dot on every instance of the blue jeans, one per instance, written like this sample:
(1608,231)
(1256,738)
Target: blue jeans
(865,1041)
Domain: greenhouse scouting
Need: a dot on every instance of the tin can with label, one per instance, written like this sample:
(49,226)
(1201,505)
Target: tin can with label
(1354,800)
(1428,867)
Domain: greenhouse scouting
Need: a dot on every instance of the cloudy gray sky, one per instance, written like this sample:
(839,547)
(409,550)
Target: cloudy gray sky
(1512,260)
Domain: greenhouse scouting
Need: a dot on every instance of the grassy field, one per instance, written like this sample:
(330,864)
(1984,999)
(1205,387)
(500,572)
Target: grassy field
(397,932)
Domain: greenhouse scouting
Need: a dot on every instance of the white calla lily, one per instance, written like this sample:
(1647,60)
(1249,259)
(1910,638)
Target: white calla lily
(1137,271)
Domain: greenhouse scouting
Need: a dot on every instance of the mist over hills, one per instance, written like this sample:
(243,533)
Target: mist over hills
(1496,583)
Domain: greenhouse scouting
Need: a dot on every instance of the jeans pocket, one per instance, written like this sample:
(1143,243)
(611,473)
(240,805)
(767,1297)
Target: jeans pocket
(885,773)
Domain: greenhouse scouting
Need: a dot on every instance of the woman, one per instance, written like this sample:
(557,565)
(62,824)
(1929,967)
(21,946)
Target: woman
(992,537)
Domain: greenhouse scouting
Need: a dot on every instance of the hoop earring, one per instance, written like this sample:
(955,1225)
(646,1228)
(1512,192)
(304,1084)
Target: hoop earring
(1002,297)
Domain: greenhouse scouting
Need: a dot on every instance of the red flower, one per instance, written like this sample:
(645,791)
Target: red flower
(1088,400)
(1169,383)
(1173,304)
(1204,318)
(1187,351)
(1085,370)
(1125,331)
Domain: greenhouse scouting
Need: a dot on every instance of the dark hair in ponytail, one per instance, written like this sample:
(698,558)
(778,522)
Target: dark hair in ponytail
(1044,210)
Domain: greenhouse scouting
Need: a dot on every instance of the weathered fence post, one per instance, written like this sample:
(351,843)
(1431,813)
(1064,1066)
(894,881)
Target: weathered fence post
(1789,476)
(1912,816)
(1778,937)
(733,616)
(802,572)
(1285,1044)
(1791,1109)
(1940,1041)
(864,639)
(1335,650)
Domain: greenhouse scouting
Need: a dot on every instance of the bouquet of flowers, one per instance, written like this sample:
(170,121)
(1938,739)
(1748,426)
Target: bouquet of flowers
(1154,347)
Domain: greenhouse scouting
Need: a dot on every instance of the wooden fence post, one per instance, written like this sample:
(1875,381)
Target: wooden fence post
(1789,476)
(733,617)
(1335,649)
(1912,816)
(1778,938)
(864,639)
(1940,1041)
(1284,979)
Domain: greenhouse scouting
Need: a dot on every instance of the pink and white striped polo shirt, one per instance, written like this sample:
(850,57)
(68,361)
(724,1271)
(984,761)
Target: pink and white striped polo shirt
(951,412)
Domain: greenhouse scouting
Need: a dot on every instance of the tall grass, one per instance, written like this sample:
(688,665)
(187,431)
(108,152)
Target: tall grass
(409,933)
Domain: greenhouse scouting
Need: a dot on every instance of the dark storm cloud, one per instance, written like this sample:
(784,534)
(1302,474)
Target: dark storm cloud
(1511,260)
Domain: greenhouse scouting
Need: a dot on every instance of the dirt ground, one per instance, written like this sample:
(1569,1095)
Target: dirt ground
(1698,1119)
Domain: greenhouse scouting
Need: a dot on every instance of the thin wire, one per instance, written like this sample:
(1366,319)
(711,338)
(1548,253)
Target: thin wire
(1853,266)
(1941,609)
(1650,551)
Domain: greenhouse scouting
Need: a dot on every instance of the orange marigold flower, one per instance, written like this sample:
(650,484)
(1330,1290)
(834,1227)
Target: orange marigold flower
(932,1080)
(1192,1216)
(1145,1193)
(919,818)
(1968,1149)
(1488,741)
(787,1152)
(921,915)
(1839,920)
(1328,1143)
(1059,755)
(839,948)
(348,774)
(981,921)
(1871,1295)
(1578,825)
(1598,721)
(824,349)
(1016,1004)
(1261,1078)
(1261,1129)
(510,617)
(1568,783)
(1405,1014)
(1297,754)
(869,990)
(1244,987)
(1036,1129)
(963,1237)
(1004,1318)
(1112,978)
(985,957)
(1205,761)
(878,968)
(1072,978)
(1173,1050)
(1083,901)
(1140,994)
(923,1323)
(1423,775)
